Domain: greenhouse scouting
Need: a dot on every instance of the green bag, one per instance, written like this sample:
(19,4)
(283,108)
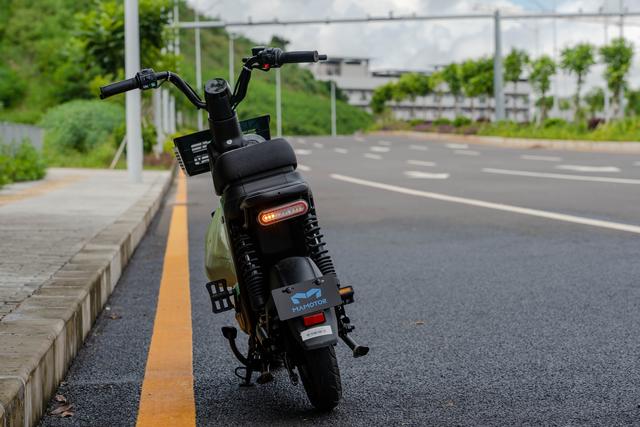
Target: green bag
(218,261)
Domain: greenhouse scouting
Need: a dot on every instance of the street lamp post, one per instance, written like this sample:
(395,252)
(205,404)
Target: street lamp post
(132,66)
(498,90)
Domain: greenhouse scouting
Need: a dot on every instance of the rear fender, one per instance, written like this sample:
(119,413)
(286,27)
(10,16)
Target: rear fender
(294,270)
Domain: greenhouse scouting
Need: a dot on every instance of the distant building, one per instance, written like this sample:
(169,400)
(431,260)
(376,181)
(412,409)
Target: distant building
(355,79)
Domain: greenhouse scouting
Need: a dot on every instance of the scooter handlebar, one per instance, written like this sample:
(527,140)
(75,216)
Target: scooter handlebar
(118,87)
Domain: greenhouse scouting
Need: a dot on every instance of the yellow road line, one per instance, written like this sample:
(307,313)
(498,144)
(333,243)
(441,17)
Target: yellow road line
(167,391)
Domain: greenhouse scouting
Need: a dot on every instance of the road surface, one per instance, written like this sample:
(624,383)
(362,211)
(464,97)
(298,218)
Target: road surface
(494,287)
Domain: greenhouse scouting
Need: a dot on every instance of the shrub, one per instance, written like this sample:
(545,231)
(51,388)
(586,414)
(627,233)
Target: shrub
(80,126)
(460,121)
(553,122)
(28,164)
(5,165)
(441,121)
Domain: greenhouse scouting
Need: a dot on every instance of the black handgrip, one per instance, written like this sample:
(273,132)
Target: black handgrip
(299,56)
(118,87)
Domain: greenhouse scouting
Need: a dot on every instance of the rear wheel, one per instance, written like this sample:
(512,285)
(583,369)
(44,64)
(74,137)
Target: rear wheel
(321,377)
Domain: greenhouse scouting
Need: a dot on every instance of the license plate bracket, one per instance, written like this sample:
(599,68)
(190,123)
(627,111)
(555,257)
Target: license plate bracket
(306,297)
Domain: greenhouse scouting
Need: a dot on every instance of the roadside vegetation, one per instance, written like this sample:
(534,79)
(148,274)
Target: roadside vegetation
(57,55)
(20,162)
(474,79)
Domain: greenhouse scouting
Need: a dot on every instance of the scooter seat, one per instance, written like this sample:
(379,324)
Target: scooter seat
(256,159)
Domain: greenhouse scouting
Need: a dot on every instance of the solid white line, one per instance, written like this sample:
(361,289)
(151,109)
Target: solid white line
(380,149)
(318,144)
(373,156)
(490,205)
(467,153)
(418,147)
(543,158)
(563,176)
(426,175)
(579,168)
(341,150)
(302,152)
(303,168)
(387,143)
(420,163)
(457,146)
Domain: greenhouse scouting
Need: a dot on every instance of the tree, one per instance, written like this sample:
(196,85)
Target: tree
(451,76)
(541,71)
(101,34)
(477,79)
(617,56)
(595,101)
(381,95)
(578,60)
(277,41)
(436,80)
(514,64)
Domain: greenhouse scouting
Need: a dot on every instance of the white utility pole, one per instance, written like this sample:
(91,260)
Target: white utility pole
(555,58)
(157,120)
(198,71)
(621,96)
(132,66)
(334,130)
(278,104)
(165,111)
(231,59)
(498,91)
(172,115)
(607,103)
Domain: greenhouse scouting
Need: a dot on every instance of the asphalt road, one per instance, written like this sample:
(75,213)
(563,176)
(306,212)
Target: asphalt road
(487,298)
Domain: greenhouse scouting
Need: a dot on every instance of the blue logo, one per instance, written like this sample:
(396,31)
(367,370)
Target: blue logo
(311,293)
(317,292)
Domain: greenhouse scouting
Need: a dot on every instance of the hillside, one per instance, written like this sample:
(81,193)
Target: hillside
(40,72)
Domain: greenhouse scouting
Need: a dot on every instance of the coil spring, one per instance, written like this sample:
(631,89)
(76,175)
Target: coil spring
(317,251)
(249,269)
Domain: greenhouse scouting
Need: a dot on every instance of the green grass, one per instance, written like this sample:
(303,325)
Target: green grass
(619,130)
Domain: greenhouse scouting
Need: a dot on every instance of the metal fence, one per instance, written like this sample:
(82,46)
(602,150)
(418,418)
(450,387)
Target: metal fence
(15,133)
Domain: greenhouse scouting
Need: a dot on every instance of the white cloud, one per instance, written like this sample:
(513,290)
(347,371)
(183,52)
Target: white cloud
(422,44)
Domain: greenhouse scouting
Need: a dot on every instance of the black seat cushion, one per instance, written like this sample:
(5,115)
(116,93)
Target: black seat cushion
(254,159)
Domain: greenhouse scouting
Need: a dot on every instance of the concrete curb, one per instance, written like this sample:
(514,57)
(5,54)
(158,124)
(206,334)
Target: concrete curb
(42,336)
(522,143)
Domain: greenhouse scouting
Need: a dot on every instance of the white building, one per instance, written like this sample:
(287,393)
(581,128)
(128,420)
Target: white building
(357,82)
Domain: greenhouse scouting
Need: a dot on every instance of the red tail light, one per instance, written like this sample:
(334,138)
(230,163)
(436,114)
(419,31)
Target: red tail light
(283,212)
(313,319)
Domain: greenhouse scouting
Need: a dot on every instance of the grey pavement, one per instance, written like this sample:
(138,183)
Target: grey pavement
(44,223)
(474,315)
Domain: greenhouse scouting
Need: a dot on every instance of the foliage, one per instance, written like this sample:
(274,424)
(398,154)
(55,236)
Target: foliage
(618,130)
(514,64)
(477,77)
(101,34)
(12,87)
(20,162)
(381,95)
(578,60)
(617,56)
(461,121)
(633,102)
(441,121)
(541,71)
(595,100)
(80,126)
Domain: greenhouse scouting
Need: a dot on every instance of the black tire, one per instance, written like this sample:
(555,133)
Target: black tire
(321,378)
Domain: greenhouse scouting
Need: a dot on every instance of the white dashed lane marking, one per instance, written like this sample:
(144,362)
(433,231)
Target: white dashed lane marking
(457,146)
(302,152)
(373,156)
(420,163)
(386,143)
(418,147)
(563,176)
(359,138)
(541,158)
(318,145)
(467,153)
(304,168)
(426,175)
(379,149)
(341,150)
(579,168)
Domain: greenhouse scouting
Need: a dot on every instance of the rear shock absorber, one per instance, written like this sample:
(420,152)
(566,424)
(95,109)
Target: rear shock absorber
(316,246)
(249,269)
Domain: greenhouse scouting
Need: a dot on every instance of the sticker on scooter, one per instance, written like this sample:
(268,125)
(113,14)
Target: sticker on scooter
(316,332)
(317,292)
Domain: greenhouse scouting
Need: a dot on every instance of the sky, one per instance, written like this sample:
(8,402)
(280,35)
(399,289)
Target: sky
(423,44)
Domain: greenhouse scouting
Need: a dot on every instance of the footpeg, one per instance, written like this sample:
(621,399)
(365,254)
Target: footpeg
(220,296)
(358,350)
